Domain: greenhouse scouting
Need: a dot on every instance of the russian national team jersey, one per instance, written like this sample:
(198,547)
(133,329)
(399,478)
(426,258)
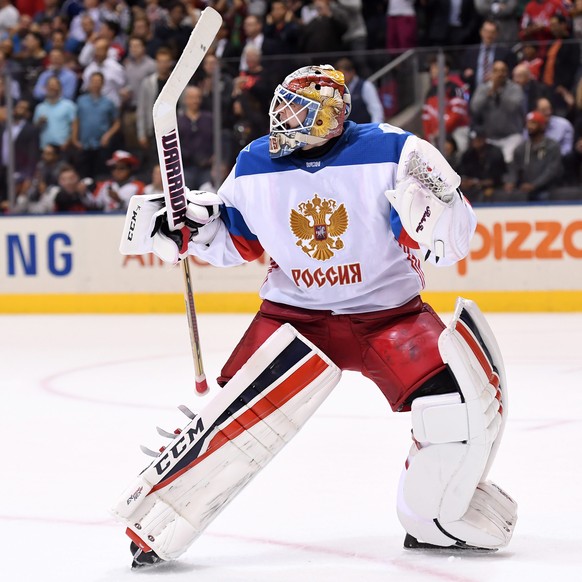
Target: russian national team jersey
(334,240)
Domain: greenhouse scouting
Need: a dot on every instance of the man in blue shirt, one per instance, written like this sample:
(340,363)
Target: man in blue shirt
(96,123)
(57,68)
(55,116)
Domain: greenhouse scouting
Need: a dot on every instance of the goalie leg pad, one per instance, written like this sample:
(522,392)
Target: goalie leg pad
(262,407)
(443,497)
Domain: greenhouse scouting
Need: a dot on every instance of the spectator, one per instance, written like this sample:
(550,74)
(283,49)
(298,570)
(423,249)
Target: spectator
(56,39)
(307,13)
(247,121)
(255,80)
(88,29)
(49,165)
(253,28)
(51,10)
(57,68)
(20,31)
(401,25)
(451,152)
(114,194)
(535,22)
(366,104)
(8,70)
(96,124)
(116,11)
(558,129)
(374,13)
(138,65)
(72,194)
(505,14)
(456,107)
(106,32)
(196,138)
(54,116)
(477,62)
(154,12)
(451,22)
(112,71)
(111,31)
(78,30)
(226,50)
(561,63)
(38,197)
(281,29)
(173,33)
(355,38)
(148,93)
(323,33)
(205,81)
(537,163)
(25,142)
(9,16)
(143,29)
(497,105)
(531,59)
(481,168)
(532,90)
(31,58)
(155,186)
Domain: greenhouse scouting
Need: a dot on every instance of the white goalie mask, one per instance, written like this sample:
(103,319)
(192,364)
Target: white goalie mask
(308,108)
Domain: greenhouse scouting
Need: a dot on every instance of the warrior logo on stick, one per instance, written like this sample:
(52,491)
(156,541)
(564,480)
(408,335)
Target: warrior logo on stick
(175,176)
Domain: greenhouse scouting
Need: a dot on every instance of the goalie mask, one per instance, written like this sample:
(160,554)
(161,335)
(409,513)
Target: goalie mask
(308,108)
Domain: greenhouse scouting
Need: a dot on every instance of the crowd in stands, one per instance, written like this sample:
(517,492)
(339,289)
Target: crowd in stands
(82,77)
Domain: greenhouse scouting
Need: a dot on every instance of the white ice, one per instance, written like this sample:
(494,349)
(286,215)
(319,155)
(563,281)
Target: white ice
(78,394)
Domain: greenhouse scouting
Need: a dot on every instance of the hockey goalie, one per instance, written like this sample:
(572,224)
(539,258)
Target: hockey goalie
(347,213)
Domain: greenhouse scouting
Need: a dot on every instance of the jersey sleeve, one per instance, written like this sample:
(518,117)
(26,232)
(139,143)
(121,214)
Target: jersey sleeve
(234,243)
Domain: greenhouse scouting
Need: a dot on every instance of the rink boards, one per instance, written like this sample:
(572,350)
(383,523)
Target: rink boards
(522,258)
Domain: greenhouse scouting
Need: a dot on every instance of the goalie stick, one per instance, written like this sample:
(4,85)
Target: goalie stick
(170,156)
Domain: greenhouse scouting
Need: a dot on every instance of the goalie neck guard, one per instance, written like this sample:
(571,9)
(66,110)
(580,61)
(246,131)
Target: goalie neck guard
(308,108)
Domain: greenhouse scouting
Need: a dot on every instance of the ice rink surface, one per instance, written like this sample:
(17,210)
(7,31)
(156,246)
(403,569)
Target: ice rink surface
(80,393)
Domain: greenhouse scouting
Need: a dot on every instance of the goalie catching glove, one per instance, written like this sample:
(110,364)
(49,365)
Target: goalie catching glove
(428,201)
(147,230)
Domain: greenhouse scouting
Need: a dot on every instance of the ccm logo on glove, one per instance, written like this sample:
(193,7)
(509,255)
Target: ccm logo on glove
(132,223)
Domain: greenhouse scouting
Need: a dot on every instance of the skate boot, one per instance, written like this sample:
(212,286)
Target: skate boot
(143,559)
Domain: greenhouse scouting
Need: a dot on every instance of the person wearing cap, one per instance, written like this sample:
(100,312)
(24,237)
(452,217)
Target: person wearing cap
(482,168)
(537,163)
(114,194)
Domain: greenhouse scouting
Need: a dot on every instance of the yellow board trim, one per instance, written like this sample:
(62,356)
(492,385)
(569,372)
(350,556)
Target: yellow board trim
(442,301)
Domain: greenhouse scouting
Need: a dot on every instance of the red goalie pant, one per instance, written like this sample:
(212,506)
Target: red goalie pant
(396,348)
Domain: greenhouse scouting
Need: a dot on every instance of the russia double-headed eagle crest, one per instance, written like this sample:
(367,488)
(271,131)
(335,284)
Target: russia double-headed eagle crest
(318,225)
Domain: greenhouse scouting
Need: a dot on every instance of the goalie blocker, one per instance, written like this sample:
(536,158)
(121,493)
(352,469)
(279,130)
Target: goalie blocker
(248,422)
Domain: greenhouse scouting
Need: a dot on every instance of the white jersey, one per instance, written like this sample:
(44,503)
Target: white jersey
(334,240)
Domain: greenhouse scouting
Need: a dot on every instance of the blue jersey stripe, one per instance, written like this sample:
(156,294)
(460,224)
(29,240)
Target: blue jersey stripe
(236,224)
(359,144)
